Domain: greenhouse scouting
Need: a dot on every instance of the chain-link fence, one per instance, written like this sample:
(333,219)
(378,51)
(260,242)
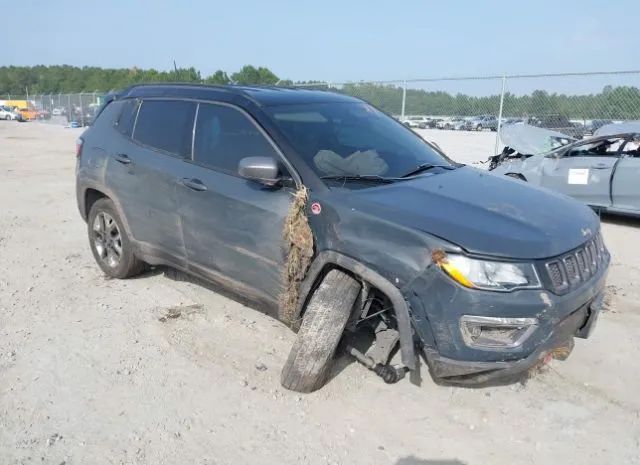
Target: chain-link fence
(66,109)
(572,103)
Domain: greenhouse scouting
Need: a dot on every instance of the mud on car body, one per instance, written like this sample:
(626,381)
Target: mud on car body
(342,221)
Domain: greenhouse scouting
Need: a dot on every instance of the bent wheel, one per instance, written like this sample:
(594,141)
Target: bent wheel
(325,318)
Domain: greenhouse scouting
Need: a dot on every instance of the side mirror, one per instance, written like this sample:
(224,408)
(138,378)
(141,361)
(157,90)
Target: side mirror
(260,169)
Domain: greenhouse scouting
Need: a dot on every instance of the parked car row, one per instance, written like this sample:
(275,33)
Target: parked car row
(456,123)
(555,122)
(23,114)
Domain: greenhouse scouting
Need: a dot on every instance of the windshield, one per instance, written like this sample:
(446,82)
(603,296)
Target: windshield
(353,139)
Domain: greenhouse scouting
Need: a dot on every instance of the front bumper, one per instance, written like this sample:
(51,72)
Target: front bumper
(580,324)
(437,304)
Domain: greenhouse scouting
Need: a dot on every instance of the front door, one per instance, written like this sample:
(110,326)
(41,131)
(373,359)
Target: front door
(584,172)
(232,227)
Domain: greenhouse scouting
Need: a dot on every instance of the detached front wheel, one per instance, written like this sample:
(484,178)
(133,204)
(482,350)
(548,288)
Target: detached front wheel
(325,318)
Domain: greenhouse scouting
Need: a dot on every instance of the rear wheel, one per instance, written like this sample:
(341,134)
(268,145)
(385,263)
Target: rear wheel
(110,243)
(324,321)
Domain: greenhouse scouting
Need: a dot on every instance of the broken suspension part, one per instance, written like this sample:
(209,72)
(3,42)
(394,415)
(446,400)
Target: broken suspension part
(390,374)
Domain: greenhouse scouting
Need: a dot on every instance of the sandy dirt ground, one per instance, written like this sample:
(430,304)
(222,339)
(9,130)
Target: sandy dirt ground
(93,372)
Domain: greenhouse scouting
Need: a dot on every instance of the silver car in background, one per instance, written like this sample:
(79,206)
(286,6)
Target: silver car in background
(9,114)
(602,171)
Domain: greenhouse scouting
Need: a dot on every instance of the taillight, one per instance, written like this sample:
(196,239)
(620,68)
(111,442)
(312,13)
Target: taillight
(79,142)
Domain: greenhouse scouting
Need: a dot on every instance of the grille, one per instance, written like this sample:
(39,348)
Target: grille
(576,267)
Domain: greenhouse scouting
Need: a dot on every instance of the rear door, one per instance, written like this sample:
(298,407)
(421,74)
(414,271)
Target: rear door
(232,227)
(626,179)
(583,172)
(143,173)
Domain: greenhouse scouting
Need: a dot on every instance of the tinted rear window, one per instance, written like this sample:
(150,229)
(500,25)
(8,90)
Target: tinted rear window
(166,125)
(127,117)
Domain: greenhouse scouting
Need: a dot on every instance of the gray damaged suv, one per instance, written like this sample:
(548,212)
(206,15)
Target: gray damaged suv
(343,223)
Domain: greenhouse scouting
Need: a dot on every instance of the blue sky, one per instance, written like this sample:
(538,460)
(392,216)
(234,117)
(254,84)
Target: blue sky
(328,40)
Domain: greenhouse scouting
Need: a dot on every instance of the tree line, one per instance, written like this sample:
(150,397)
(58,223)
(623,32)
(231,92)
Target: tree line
(622,102)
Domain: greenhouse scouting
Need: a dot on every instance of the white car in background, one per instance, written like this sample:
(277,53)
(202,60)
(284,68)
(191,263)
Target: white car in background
(441,124)
(416,121)
(456,124)
(8,114)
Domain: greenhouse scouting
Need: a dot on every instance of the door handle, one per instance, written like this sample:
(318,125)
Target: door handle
(600,166)
(122,158)
(193,184)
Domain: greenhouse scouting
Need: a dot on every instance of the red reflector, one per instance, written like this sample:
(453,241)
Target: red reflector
(79,143)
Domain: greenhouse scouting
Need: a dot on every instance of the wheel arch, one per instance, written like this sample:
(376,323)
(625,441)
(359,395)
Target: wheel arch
(89,194)
(329,259)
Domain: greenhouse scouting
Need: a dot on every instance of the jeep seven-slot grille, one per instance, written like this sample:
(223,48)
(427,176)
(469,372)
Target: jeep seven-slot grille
(576,267)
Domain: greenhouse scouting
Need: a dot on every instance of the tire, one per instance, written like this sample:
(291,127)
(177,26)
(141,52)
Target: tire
(479,127)
(7,118)
(110,243)
(325,318)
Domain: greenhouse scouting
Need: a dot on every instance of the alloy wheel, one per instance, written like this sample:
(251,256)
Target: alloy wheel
(107,239)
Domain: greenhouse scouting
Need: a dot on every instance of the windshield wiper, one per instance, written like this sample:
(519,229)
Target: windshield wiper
(359,177)
(426,167)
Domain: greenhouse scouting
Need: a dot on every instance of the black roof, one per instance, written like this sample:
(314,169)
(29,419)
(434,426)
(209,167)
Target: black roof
(260,95)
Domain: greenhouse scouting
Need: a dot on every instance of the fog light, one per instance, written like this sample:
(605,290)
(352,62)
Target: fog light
(485,332)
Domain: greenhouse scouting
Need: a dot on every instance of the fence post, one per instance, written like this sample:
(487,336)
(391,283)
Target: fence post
(404,99)
(504,81)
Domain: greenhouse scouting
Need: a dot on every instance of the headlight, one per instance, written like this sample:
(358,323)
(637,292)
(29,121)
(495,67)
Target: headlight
(490,275)
(486,332)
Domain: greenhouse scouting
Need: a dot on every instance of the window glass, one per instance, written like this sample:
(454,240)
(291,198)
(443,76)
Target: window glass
(127,117)
(352,139)
(224,136)
(602,148)
(166,125)
(108,115)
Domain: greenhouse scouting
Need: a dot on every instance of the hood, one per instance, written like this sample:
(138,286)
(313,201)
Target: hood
(483,213)
(618,128)
(532,140)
